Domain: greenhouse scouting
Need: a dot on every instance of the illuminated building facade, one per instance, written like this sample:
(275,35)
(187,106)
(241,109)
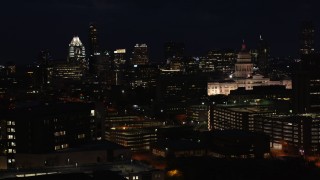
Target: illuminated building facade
(142,76)
(243,66)
(226,86)
(77,53)
(140,54)
(243,77)
(119,56)
(299,134)
(7,143)
(131,131)
(219,60)
(225,117)
(66,71)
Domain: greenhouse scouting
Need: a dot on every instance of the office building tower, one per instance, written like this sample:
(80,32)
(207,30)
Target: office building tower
(222,60)
(93,40)
(173,50)
(263,55)
(134,132)
(63,71)
(53,127)
(96,60)
(297,134)
(307,36)
(306,89)
(7,143)
(77,53)
(119,56)
(239,117)
(306,75)
(44,69)
(140,54)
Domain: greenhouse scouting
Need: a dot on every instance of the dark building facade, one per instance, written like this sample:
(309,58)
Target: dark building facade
(53,127)
(307,37)
(263,55)
(293,133)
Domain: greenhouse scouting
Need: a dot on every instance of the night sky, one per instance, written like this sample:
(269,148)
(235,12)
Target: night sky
(29,26)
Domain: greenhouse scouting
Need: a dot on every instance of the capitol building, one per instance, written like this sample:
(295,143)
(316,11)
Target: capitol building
(243,77)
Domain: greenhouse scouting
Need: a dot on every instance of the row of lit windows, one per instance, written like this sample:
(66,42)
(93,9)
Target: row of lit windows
(60,133)
(11,130)
(11,123)
(62,146)
(11,151)
(11,137)
(11,161)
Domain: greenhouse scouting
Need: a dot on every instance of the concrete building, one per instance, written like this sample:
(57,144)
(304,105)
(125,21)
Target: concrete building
(223,117)
(299,134)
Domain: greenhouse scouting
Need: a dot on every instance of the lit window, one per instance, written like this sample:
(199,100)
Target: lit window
(92,113)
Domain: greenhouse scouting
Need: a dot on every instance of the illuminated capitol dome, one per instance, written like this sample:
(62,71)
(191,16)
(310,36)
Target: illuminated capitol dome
(243,77)
(243,66)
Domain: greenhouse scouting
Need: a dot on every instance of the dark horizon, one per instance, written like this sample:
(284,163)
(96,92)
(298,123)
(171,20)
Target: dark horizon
(35,25)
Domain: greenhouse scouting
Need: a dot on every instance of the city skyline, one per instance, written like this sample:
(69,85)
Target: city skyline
(202,26)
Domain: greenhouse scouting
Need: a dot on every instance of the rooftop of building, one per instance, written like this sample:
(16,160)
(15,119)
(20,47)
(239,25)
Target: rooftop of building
(95,146)
(179,145)
(288,116)
(131,168)
(246,108)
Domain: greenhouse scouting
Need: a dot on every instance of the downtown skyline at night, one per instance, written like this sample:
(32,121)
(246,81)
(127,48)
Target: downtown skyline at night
(159,90)
(202,26)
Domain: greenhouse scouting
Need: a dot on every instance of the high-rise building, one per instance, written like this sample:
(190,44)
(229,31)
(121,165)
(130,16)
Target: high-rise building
(140,54)
(93,40)
(235,116)
(53,127)
(173,50)
(96,60)
(263,55)
(77,53)
(119,56)
(222,60)
(306,75)
(292,133)
(307,38)
(44,68)
(306,89)
(7,143)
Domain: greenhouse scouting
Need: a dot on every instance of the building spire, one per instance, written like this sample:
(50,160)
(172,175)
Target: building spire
(243,47)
